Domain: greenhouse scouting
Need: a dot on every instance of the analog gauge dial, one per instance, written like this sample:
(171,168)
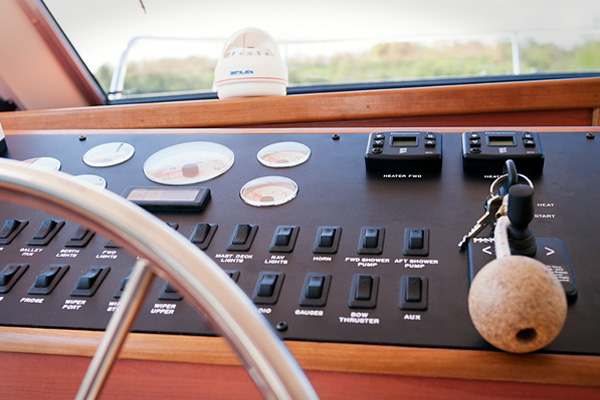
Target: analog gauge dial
(283,154)
(188,163)
(269,191)
(44,163)
(93,180)
(108,154)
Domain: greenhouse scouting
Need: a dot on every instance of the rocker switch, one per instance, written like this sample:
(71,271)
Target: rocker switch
(240,236)
(371,238)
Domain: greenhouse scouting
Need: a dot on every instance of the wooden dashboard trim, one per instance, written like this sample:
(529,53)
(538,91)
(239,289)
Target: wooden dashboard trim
(345,106)
(573,370)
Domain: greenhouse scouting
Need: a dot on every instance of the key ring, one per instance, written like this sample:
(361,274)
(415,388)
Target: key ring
(495,186)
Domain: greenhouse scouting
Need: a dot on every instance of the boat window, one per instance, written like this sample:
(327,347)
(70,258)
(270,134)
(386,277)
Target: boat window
(143,49)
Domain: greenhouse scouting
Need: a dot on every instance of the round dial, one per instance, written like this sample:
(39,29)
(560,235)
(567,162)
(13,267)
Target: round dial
(269,191)
(188,163)
(108,154)
(283,154)
(92,179)
(44,163)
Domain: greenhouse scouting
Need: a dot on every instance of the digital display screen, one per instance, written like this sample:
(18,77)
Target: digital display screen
(501,140)
(404,141)
(162,195)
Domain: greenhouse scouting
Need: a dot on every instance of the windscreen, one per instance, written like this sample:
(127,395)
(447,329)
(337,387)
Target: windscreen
(145,48)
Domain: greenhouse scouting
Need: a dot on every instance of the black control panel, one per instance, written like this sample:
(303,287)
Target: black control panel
(327,248)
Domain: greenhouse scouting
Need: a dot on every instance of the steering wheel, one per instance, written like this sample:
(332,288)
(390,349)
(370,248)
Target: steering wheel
(169,255)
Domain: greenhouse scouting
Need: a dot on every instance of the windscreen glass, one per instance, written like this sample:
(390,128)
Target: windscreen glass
(145,48)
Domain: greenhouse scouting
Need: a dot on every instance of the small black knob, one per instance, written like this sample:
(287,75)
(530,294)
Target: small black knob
(520,205)
(520,213)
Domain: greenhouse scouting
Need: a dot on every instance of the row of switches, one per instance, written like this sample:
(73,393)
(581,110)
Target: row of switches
(45,282)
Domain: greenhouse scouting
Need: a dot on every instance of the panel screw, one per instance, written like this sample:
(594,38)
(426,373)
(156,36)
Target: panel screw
(335,136)
(82,138)
(590,135)
(282,326)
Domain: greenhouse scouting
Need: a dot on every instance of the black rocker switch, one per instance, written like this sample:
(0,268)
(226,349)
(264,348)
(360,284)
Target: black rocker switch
(371,240)
(81,237)
(203,234)
(90,281)
(10,274)
(363,292)
(284,239)
(327,240)
(413,293)
(10,230)
(47,230)
(416,242)
(46,281)
(241,233)
(242,237)
(267,288)
(315,290)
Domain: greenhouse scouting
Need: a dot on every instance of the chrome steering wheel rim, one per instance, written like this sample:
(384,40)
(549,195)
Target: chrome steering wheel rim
(171,257)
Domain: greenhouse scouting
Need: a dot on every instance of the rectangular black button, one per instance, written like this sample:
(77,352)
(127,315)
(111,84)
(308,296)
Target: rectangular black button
(413,293)
(10,225)
(415,239)
(266,285)
(163,199)
(241,233)
(413,289)
(242,237)
(170,293)
(200,233)
(203,234)
(81,237)
(10,274)
(47,230)
(363,292)
(283,235)
(364,286)
(371,240)
(314,287)
(88,283)
(315,290)
(10,230)
(416,242)
(45,282)
(44,279)
(267,288)
(326,237)
(284,239)
(327,240)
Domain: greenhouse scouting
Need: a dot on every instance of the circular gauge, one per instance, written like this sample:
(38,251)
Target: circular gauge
(44,163)
(93,180)
(283,154)
(269,191)
(188,163)
(108,154)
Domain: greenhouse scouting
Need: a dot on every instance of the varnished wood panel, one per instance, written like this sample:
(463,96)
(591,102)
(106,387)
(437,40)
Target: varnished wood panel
(576,117)
(28,376)
(567,94)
